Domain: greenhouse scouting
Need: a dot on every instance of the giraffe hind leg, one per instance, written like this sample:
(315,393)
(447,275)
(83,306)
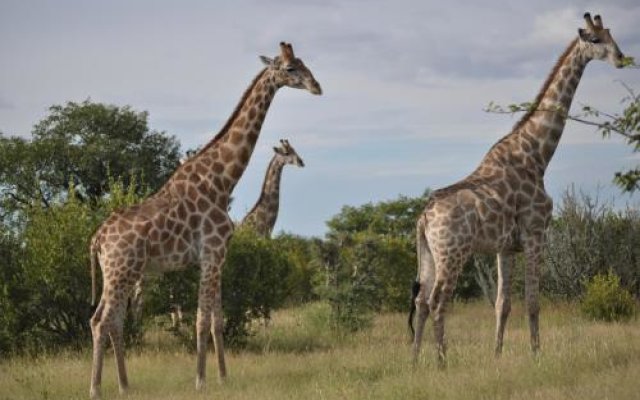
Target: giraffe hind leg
(99,342)
(448,270)
(503,298)
(426,278)
(108,321)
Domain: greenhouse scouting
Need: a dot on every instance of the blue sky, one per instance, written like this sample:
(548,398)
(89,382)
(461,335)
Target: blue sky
(405,84)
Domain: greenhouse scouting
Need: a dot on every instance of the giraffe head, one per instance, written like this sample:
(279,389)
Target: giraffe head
(597,42)
(288,154)
(291,71)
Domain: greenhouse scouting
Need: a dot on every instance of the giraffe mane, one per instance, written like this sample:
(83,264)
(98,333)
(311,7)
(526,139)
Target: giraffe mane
(234,114)
(539,97)
(545,86)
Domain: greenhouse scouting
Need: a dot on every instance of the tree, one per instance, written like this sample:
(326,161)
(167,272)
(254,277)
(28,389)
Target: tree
(44,278)
(395,217)
(83,143)
(387,231)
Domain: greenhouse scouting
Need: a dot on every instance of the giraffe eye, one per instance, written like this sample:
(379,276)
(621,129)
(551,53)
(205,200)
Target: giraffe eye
(290,68)
(594,39)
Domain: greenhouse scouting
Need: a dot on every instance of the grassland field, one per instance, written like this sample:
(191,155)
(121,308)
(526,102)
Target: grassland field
(298,357)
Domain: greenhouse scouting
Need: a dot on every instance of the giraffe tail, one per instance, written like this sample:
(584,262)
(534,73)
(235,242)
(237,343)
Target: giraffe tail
(93,254)
(421,241)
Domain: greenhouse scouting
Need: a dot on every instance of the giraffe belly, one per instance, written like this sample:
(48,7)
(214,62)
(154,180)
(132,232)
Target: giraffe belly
(171,262)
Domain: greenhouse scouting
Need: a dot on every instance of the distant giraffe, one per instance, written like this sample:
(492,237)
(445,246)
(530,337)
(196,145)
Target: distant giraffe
(502,206)
(264,213)
(186,223)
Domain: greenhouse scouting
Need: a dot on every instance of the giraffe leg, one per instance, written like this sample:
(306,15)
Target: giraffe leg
(427,275)
(437,307)
(117,341)
(99,342)
(503,298)
(442,292)
(533,254)
(217,331)
(423,313)
(136,302)
(203,326)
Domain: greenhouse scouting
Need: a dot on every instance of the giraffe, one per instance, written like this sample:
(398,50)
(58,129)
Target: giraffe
(502,206)
(264,213)
(186,223)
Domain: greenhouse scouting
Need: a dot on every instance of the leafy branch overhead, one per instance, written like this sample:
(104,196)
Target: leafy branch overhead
(625,124)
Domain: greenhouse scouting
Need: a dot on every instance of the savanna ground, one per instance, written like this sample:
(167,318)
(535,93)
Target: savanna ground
(297,357)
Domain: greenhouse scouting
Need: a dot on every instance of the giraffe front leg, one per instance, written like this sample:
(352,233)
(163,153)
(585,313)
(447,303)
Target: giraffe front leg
(218,328)
(203,326)
(503,298)
(533,254)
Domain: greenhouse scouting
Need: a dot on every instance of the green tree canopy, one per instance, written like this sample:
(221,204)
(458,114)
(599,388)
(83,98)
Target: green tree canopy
(83,143)
(393,217)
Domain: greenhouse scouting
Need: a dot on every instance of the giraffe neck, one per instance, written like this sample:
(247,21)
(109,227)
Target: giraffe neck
(233,150)
(535,137)
(265,212)
(223,160)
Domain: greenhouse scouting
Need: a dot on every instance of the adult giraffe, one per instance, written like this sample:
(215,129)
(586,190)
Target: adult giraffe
(264,213)
(186,223)
(502,206)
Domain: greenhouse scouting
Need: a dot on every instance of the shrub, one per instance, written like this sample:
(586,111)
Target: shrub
(346,280)
(254,281)
(606,300)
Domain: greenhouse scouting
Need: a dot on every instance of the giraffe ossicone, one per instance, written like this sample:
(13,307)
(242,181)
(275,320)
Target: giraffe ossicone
(502,207)
(186,224)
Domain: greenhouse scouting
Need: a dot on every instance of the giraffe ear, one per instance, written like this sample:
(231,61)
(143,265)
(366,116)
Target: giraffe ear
(266,61)
(277,150)
(582,33)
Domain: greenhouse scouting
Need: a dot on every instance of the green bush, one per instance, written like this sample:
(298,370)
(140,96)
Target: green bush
(45,285)
(606,300)
(254,283)
(346,280)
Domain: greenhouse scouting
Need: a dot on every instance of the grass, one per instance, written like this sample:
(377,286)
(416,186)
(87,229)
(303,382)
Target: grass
(297,357)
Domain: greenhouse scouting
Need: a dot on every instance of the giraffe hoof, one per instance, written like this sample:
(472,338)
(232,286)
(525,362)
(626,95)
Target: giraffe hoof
(94,394)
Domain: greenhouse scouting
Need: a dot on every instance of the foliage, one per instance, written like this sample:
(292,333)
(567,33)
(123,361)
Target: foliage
(299,251)
(395,217)
(46,282)
(349,288)
(586,238)
(83,143)
(626,124)
(254,283)
(12,292)
(606,300)
(390,229)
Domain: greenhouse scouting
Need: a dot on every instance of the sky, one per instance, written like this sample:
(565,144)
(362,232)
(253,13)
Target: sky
(405,85)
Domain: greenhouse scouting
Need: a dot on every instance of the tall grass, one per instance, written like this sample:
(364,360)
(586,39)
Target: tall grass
(296,356)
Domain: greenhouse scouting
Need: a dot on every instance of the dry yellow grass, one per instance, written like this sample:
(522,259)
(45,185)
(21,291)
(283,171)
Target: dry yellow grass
(297,358)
